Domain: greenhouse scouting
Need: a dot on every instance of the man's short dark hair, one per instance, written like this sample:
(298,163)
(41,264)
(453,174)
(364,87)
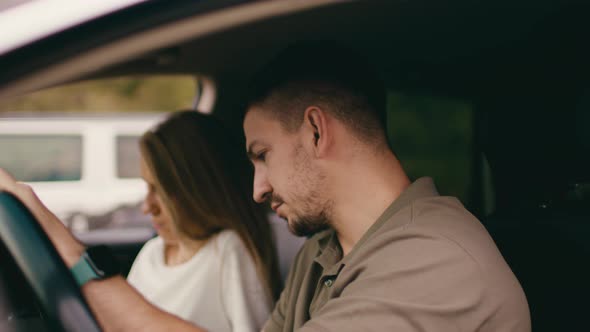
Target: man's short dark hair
(323,74)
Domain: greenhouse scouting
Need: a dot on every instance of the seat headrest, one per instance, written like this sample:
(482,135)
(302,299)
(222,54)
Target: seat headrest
(536,147)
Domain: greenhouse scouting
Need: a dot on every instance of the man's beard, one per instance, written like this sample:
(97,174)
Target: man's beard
(315,211)
(306,224)
(309,225)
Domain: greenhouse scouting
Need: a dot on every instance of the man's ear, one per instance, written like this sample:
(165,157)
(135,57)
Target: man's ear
(317,125)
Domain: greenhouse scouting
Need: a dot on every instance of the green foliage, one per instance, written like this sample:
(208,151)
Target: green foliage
(125,94)
(432,137)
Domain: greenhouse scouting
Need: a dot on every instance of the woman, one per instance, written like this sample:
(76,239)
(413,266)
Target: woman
(213,262)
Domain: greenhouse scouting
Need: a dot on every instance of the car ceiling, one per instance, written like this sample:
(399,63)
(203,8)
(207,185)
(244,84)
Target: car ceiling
(455,47)
(492,52)
(458,47)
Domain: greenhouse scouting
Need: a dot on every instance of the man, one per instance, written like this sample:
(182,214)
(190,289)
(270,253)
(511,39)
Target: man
(387,254)
(384,253)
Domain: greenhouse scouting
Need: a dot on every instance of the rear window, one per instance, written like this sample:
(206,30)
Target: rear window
(36,158)
(128,157)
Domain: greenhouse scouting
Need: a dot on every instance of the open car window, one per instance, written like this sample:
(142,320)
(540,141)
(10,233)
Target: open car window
(77,145)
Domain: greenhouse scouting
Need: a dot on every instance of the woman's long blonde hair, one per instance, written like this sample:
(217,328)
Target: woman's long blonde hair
(204,178)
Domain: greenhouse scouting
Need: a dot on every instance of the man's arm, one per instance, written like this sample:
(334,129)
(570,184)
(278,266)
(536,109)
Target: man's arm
(116,305)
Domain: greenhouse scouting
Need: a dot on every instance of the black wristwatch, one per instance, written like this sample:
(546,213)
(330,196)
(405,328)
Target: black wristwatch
(96,263)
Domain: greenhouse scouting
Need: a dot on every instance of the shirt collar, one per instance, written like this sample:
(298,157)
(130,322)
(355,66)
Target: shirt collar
(330,250)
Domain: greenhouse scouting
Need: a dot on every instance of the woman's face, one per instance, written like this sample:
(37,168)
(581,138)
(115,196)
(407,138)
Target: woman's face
(153,204)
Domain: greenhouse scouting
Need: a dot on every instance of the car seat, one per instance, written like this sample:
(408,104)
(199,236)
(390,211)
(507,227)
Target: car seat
(540,167)
(288,245)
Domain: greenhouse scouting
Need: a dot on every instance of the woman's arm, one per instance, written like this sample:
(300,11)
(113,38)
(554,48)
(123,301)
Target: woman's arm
(119,307)
(116,305)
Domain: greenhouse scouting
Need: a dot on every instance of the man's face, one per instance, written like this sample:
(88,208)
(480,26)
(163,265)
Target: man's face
(285,174)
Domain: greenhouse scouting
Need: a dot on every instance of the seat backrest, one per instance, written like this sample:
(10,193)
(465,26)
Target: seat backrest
(288,245)
(548,250)
(538,151)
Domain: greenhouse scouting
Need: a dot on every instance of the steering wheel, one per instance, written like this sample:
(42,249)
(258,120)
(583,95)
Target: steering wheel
(50,279)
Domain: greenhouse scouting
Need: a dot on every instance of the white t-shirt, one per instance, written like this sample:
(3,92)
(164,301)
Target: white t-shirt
(218,288)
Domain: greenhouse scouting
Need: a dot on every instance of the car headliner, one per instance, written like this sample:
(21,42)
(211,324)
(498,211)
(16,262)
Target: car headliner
(512,57)
(456,47)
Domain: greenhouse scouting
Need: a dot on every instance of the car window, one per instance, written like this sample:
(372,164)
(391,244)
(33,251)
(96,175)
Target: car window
(113,95)
(128,157)
(77,146)
(432,136)
(40,158)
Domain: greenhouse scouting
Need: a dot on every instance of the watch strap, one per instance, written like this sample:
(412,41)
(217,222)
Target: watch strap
(83,271)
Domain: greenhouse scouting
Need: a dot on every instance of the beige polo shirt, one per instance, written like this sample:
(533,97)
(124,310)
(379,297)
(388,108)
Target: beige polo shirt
(426,264)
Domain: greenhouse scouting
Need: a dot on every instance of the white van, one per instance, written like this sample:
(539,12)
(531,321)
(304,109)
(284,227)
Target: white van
(84,168)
